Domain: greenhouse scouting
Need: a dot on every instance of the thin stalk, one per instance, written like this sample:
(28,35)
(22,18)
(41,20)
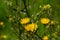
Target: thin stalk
(24,1)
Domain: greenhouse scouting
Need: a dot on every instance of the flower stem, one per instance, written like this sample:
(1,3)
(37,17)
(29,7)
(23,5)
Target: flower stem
(26,7)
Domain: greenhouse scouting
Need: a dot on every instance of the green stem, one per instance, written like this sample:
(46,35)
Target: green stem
(26,7)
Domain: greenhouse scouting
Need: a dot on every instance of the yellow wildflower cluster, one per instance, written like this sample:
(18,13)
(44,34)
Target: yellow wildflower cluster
(46,6)
(45,20)
(45,38)
(24,20)
(1,23)
(31,27)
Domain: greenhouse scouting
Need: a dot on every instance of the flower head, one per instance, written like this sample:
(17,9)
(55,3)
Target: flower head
(4,36)
(45,38)
(31,27)
(52,23)
(46,6)
(1,23)
(24,20)
(45,20)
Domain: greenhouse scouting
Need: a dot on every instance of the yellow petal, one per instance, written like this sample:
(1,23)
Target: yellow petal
(25,20)
(45,20)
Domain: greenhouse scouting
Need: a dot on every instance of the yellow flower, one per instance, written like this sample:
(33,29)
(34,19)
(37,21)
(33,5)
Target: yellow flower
(31,27)
(46,6)
(1,23)
(24,20)
(52,22)
(45,38)
(4,36)
(45,20)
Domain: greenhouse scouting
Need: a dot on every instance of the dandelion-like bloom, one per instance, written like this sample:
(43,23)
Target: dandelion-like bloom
(4,36)
(52,23)
(46,6)
(25,20)
(45,38)
(45,20)
(31,27)
(1,23)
